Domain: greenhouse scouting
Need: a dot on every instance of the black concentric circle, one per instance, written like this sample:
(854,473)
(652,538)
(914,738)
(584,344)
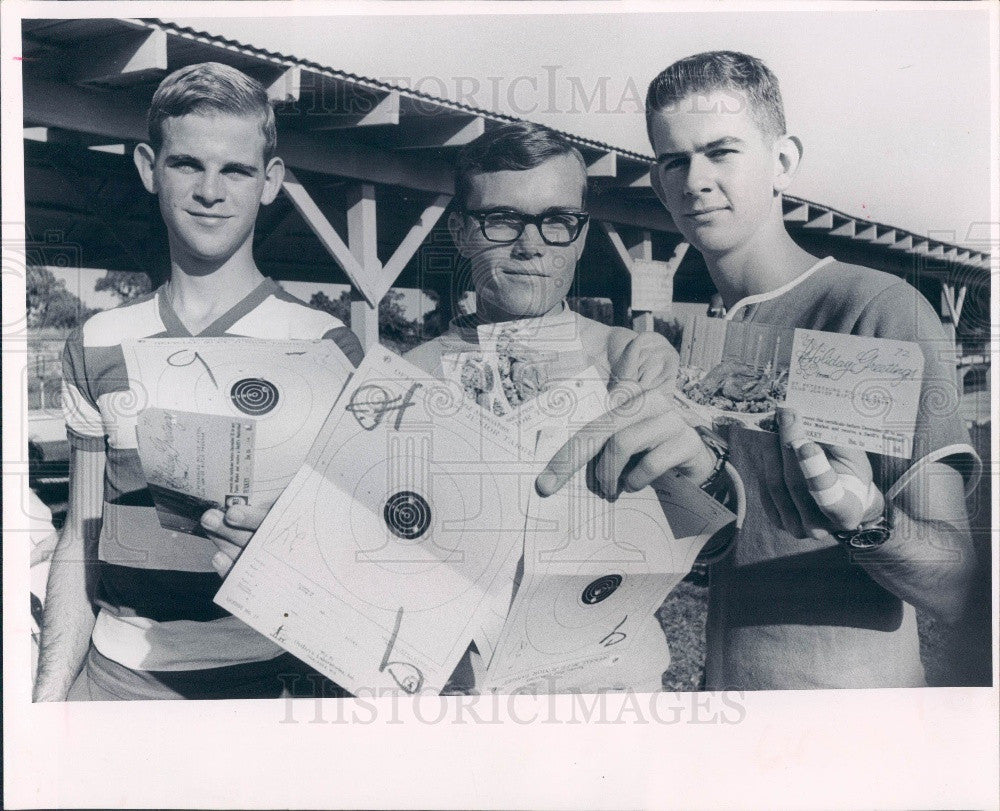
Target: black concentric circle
(600,589)
(407,514)
(254,396)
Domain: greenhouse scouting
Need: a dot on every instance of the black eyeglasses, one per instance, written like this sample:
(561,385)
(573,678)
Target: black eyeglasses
(506,226)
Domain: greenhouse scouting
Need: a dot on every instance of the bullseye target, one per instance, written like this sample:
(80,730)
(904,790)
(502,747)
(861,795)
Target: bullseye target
(254,396)
(600,589)
(407,514)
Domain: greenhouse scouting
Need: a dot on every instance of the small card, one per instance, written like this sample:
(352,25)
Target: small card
(848,390)
(856,392)
(193,462)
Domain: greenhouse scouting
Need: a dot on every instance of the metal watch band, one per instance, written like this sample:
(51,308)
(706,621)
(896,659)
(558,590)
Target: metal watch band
(868,536)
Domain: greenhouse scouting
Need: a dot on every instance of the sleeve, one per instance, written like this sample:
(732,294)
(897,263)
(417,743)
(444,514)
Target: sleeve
(902,313)
(84,425)
(348,343)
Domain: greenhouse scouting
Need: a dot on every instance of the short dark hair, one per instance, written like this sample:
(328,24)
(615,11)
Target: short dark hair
(713,70)
(211,86)
(511,147)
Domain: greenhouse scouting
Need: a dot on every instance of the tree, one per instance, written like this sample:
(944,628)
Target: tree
(396,331)
(126,284)
(49,303)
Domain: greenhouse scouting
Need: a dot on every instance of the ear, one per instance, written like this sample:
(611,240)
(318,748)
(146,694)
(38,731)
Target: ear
(274,174)
(459,234)
(787,157)
(145,160)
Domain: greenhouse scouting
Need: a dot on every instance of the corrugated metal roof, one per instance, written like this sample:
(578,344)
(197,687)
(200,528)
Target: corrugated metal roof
(800,213)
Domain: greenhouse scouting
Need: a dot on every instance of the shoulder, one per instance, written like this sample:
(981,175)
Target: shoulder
(135,319)
(303,320)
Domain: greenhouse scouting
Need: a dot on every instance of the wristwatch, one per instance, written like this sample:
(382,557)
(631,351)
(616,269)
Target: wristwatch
(867,536)
(715,485)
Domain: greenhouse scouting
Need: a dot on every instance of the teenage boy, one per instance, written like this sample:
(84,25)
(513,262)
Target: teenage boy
(520,220)
(814,595)
(211,163)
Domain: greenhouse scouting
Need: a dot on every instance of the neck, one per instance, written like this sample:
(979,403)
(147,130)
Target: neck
(765,263)
(489,313)
(199,291)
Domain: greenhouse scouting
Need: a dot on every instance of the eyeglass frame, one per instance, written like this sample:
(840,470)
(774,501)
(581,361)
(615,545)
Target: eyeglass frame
(480,215)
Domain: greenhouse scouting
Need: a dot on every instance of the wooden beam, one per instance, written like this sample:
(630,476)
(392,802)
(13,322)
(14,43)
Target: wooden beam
(919,246)
(364,320)
(886,237)
(412,241)
(438,131)
(362,237)
(867,234)
(120,117)
(643,247)
(287,88)
(680,251)
(604,165)
(845,230)
(642,182)
(824,221)
(631,174)
(618,207)
(798,214)
(904,244)
(960,302)
(617,243)
(325,232)
(367,112)
(131,58)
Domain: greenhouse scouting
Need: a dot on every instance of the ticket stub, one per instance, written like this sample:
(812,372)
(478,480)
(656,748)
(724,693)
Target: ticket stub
(193,462)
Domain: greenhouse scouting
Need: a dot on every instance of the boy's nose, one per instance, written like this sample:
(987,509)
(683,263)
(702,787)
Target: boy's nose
(699,176)
(210,190)
(530,243)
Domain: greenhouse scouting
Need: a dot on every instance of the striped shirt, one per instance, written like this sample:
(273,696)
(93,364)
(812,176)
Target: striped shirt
(155,586)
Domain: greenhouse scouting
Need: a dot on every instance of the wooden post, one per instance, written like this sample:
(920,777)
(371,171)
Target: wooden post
(363,243)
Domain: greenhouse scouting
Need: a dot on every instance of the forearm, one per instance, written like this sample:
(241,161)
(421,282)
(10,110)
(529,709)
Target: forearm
(929,560)
(68,620)
(69,614)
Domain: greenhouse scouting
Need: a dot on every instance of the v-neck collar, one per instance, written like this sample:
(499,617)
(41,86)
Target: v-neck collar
(176,329)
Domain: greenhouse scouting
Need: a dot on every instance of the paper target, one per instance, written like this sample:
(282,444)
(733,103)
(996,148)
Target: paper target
(254,396)
(286,387)
(407,515)
(412,508)
(595,602)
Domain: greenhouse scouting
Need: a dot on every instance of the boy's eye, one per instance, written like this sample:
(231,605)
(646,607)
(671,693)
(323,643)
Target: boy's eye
(721,153)
(187,167)
(672,163)
(238,172)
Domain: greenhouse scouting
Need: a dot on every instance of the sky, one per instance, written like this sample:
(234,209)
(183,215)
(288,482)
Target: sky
(892,107)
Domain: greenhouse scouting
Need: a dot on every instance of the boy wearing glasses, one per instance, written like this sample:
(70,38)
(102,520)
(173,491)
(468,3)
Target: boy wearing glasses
(520,222)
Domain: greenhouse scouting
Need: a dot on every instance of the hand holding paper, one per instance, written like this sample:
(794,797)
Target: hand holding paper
(831,487)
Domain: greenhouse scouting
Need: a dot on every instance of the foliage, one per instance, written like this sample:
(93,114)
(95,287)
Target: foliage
(127,285)
(671,330)
(49,303)
(396,331)
(596,309)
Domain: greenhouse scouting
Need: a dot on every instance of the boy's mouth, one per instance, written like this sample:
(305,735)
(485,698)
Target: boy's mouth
(705,212)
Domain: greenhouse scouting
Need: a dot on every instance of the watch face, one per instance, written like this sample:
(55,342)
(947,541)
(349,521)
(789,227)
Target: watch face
(869,538)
